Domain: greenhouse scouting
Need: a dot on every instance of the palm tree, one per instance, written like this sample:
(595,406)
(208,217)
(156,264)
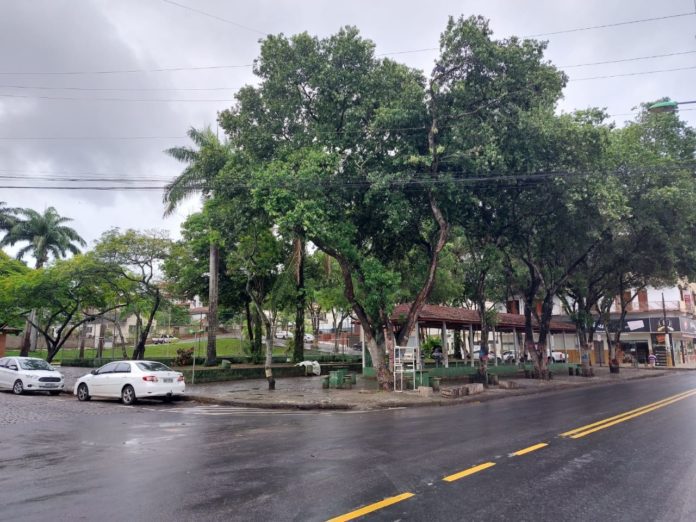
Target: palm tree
(7,217)
(203,163)
(46,235)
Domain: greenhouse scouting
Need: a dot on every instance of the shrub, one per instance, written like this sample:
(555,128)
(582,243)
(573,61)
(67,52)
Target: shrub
(184,356)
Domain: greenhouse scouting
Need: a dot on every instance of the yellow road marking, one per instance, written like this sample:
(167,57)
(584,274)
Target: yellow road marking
(621,415)
(609,424)
(372,507)
(530,449)
(470,471)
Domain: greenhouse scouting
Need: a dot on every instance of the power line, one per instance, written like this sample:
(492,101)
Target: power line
(616,24)
(126,71)
(215,17)
(636,58)
(227,100)
(88,138)
(178,68)
(68,98)
(641,73)
(526,178)
(118,89)
(230,88)
(315,131)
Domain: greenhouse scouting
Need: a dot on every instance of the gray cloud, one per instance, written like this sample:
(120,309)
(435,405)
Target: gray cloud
(97,35)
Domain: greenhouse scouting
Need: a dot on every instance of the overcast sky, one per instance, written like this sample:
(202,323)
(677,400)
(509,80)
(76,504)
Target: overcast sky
(53,126)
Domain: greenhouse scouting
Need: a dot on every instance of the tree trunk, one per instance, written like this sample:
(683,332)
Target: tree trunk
(483,357)
(139,352)
(249,322)
(211,352)
(83,335)
(256,348)
(100,339)
(376,344)
(34,335)
(300,300)
(334,324)
(26,337)
(314,313)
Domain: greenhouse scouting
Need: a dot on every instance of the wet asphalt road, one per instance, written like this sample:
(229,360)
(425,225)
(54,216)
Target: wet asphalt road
(65,460)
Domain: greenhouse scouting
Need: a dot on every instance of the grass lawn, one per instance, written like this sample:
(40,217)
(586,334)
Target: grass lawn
(225,347)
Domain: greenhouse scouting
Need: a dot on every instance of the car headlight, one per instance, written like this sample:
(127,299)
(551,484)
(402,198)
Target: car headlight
(34,377)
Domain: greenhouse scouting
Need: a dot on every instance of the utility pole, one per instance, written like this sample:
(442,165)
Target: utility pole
(668,343)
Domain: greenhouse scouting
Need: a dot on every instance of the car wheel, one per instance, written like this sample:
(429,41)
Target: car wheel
(18,388)
(128,395)
(83,392)
(54,392)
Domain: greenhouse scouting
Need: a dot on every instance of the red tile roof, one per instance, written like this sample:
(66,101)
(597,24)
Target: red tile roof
(435,315)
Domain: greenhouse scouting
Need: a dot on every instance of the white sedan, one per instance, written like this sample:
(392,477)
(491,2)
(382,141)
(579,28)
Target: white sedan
(130,381)
(21,374)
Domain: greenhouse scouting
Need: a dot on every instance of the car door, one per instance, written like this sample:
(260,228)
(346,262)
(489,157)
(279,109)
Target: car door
(10,372)
(102,380)
(4,372)
(118,379)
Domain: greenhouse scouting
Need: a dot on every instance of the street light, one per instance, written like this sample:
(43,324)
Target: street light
(667,106)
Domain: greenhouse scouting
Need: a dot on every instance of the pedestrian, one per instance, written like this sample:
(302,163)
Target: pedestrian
(651,360)
(437,355)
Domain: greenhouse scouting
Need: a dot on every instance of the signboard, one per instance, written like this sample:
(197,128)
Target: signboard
(650,324)
(687,325)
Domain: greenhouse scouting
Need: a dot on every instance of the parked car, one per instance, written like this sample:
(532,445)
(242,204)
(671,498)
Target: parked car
(130,381)
(164,339)
(21,374)
(508,357)
(557,357)
(282,334)
(477,357)
(308,338)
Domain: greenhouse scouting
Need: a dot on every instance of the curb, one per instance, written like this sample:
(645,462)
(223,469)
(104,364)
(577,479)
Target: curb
(519,392)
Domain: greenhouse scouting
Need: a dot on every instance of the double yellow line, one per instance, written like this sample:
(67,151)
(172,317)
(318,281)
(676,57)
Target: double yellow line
(573,434)
(622,417)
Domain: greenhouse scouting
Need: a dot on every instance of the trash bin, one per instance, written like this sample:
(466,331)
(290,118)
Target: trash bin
(225,363)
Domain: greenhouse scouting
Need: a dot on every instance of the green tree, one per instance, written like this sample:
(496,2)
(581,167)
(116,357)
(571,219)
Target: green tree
(7,217)
(137,257)
(203,164)
(9,267)
(67,294)
(46,235)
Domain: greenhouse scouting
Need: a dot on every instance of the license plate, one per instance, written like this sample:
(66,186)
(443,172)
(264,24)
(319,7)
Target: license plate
(50,385)
(167,380)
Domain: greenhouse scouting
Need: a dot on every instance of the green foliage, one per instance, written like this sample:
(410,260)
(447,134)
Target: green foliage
(46,234)
(66,294)
(184,356)
(429,344)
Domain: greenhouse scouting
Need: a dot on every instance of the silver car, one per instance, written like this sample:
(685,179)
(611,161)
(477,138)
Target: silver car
(21,374)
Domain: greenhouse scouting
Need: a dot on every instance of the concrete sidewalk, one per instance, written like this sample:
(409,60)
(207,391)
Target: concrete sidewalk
(307,393)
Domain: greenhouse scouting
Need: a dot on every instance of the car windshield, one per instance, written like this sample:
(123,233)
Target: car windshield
(34,364)
(153,367)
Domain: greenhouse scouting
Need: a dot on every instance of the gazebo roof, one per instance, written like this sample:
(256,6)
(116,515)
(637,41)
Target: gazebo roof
(10,330)
(434,315)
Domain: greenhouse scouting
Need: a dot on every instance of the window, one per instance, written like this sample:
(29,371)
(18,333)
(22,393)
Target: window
(35,364)
(109,368)
(123,367)
(153,367)
(3,362)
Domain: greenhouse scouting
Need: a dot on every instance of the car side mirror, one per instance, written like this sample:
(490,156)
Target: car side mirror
(93,372)
(13,367)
